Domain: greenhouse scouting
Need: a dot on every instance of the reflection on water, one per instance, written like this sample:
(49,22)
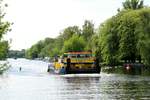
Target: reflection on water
(34,83)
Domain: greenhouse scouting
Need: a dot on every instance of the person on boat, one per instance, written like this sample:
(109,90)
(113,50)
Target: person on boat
(63,71)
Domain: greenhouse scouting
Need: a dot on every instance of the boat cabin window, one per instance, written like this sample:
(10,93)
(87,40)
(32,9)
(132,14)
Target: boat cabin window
(65,56)
(77,55)
(88,55)
(85,55)
(73,56)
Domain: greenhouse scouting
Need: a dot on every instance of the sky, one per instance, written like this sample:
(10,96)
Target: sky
(35,20)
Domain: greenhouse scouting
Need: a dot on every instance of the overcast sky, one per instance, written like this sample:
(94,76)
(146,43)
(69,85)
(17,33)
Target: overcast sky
(35,20)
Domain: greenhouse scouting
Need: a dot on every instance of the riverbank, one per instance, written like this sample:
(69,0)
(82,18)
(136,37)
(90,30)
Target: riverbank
(144,71)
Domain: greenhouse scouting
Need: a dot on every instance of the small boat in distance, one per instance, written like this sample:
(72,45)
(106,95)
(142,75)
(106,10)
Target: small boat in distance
(75,62)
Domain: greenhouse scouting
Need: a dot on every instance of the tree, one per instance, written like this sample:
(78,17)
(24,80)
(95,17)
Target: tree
(4,28)
(16,53)
(88,33)
(109,42)
(75,43)
(69,32)
(3,49)
(126,37)
(133,4)
(143,31)
(71,38)
(88,29)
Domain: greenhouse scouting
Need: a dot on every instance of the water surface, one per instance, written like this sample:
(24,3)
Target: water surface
(34,83)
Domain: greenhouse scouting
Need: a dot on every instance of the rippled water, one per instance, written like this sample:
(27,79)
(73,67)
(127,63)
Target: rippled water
(34,83)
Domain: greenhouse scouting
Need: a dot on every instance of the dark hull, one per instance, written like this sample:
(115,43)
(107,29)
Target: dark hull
(76,71)
(73,71)
(81,71)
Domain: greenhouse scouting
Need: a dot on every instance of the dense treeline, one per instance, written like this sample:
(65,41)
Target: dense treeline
(70,39)
(4,28)
(16,53)
(123,37)
(126,37)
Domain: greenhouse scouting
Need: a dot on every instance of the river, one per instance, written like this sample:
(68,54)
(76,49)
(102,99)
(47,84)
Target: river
(34,83)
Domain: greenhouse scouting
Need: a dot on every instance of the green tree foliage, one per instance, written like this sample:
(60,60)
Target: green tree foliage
(93,42)
(126,37)
(71,38)
(69,32)
(129,36)
(88,33)
(143,31)
(4,28)
(75,43)
(40,49)
(133,4)
(3,49)
(88,29)
(109,42)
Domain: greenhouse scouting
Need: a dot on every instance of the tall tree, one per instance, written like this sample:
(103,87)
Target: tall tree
(69,32)
(133,4)
(88,33)
(75,43)
(88,29)
(3,49)
(109,42)
(128,35)
(144,35)
(4,28)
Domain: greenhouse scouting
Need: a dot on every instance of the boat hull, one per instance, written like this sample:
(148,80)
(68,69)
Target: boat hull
(83,69)
(73,70)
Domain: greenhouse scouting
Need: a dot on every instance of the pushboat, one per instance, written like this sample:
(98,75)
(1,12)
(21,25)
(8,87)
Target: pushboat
(75,62)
